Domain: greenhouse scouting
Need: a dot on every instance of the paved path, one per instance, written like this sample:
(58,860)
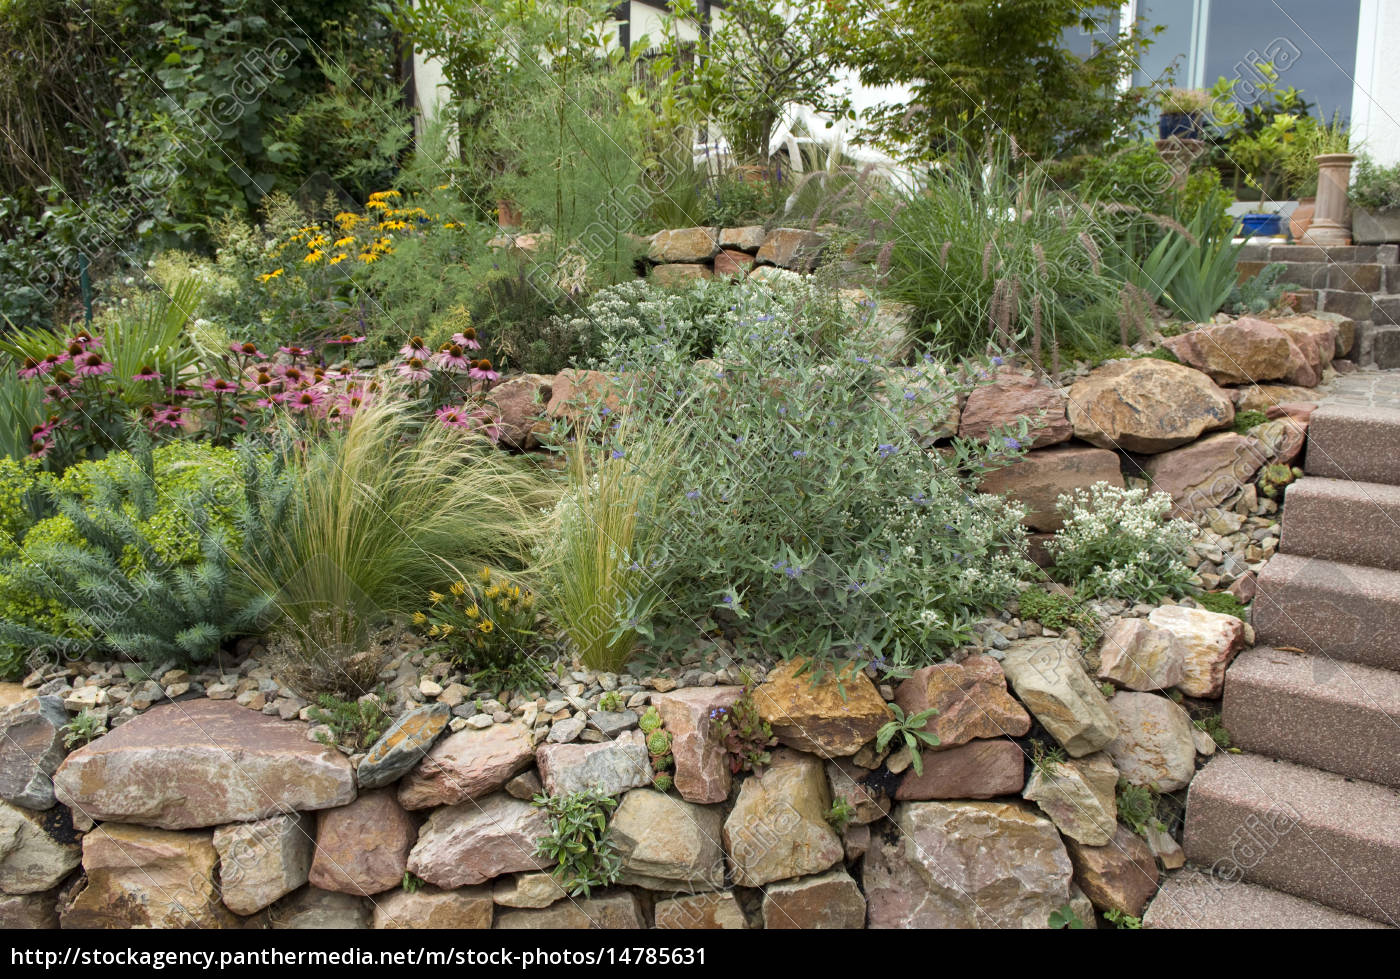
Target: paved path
(1369,389)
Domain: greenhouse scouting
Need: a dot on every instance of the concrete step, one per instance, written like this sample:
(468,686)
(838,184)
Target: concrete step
(1192,898)
(1347,612)
(1360,277)
(1313,834)
(1354,442)
(1316,711)
(1382,308)
(1378,344)
(1273,252)
(1344,521)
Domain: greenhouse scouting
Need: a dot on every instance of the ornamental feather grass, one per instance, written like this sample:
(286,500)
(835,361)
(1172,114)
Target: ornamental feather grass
(600,590)
(383,510)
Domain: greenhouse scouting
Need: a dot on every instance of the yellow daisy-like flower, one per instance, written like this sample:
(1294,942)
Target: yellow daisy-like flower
(434,597)
(347,240)
(378,205)
(337,259)
(433,630)
(472,612)
(318,242)
(368,257)
(314,257)
(419,618)
(485,575)
(486,626)
(493,592)
(504,605)
(458,588)
(348,219)
(268,277)
(447,630)
(384,195)
(528,601)
(393,225)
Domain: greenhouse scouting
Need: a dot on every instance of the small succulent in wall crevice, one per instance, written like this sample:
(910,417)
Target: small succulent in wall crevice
(658,741)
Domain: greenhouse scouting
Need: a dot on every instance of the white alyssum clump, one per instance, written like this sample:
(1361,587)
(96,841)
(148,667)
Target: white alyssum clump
(1115,543)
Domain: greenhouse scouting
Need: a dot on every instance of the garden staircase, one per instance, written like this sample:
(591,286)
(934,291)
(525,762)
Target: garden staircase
(1362,282)
(1302,828)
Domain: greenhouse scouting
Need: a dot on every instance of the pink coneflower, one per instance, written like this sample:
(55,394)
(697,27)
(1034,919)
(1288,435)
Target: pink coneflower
(345,340)
(39,438)
(415,348)
(170,416)
(455,417)
(352,401)
(262,379)
(42,367)
(489,425)
(220,385)
(246,349)
(92,365)
(146,373)
(33,368)
(41,432)
(481,371)
(415,369)
(295,351)
(306,400)
(82,343)
(452,357)
(467,338)
(294,375)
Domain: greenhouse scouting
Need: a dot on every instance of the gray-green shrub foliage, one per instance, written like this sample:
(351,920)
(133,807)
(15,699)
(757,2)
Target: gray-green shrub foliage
(805,515)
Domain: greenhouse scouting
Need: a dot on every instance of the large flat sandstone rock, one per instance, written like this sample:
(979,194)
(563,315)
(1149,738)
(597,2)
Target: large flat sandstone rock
(203,763)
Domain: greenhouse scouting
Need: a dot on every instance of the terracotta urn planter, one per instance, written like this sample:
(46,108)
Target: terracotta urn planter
(1331,223)
(1302,217)
(508,215)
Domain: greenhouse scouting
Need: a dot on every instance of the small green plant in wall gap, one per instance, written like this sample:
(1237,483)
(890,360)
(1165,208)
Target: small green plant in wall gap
(746,737)
(1066,917)
(84,728)
(911,729)
(1122,919)
(839,816)
(355,723)
(580,842)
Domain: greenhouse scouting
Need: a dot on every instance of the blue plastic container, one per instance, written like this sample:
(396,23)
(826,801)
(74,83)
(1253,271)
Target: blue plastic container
(1261,225)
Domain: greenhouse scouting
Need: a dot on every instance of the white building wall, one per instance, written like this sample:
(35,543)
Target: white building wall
(1375,113)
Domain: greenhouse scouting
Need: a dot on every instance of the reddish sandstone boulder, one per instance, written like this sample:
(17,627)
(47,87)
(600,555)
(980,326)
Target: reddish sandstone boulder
(1038,479)
(1246,351)
(1011,397)
(971,699)
(203,763)
(702,772)
(466,765)
(363,848)
(982,769)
